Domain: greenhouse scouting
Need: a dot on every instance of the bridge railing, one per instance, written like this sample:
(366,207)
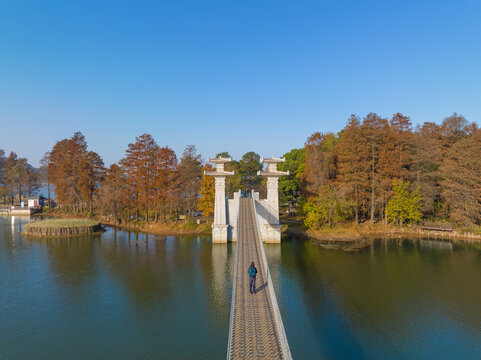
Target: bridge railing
(286,352)
(232,306)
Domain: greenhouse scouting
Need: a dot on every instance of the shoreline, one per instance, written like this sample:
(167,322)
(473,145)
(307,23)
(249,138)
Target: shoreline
(343,234)
(163,229)
(362,233)
(55,228)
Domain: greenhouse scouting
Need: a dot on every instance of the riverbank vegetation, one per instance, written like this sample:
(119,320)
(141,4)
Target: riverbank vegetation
(375,171)
(380,170)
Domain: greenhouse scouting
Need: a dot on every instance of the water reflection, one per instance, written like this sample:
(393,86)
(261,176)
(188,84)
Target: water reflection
(130,295)
(436,244)
(134,266)
(221,259)
(119,295)
(387,301)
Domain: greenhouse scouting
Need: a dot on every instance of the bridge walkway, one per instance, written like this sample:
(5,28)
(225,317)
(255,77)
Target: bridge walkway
(256,329)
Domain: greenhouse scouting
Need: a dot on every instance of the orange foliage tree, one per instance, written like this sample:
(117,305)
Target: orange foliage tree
(207,192)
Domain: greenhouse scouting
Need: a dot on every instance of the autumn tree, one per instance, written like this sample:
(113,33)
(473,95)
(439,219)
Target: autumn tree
(319,163)
(427,158)
(453,129)
(374,129)
(352,165)
(190,175)
(91,173)
(9,182)
(113,195)
(2,174)
(63,169)
(44,175)
(207,192)
(16,176)
(395,157)
(461,169)
(166,183)
(139,164)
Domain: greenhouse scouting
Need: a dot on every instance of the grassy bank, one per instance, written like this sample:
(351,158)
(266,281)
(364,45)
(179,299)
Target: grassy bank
(171,228)
(59,223)
(366,232)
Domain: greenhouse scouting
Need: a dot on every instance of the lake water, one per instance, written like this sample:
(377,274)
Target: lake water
(126,296)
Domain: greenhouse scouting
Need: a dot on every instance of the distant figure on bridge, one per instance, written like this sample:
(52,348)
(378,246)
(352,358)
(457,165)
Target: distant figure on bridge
(252,271)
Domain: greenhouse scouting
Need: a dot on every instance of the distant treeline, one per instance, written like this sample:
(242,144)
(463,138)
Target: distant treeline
(18,179)
(375,169)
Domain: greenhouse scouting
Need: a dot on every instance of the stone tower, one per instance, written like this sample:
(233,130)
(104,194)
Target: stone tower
(268,209)
(220,228)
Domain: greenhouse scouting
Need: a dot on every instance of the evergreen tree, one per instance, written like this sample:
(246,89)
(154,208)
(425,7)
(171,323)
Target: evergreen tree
(290,185)
(248,167)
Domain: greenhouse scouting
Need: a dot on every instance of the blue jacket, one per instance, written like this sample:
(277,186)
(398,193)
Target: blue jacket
(252,272)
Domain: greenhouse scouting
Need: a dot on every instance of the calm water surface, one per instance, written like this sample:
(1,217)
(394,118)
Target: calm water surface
(125,296)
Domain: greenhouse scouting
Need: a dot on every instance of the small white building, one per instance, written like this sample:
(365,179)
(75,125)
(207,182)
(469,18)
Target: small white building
(35,202)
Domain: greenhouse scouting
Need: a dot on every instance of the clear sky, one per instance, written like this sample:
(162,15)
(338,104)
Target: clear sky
(228,75)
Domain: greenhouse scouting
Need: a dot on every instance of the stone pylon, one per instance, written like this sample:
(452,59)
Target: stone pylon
(220,227)
(268,209)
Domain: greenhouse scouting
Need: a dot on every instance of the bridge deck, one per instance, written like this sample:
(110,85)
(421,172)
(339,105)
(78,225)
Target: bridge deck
(254,332)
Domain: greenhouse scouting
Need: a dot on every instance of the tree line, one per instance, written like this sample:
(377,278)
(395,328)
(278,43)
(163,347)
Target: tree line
(149,183)
(381,169)
(375,169)
(18,179)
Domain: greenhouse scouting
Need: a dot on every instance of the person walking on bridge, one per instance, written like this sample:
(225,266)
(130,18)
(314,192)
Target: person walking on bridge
(252,271)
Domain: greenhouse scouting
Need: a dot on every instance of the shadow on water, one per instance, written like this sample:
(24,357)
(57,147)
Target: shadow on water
(386,301)
(328,320)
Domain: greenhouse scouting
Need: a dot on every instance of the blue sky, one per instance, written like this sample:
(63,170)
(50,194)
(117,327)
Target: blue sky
(228,75)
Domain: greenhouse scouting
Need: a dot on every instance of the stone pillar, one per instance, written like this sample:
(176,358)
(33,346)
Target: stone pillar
(273,198)
(271,231)
(220,226)
(220,209)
